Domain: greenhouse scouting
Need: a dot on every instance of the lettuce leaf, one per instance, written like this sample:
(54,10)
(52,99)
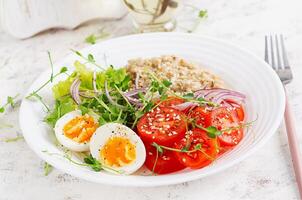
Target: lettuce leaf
(62,106)
(84,74)
(62,88)
(118,77)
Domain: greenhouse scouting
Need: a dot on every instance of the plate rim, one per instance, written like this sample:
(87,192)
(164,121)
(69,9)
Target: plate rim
(177,178)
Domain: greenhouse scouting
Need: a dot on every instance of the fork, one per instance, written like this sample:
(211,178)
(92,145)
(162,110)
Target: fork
(275,55)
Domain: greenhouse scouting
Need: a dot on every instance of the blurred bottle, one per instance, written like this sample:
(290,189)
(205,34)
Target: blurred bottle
(25,18)
(153,15)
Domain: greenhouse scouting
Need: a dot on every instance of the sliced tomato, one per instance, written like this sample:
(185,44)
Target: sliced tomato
(238,108)
(223,149)
(223,118)
(163,125)
(200,115)
(199,158)
(171,101)
(166,162)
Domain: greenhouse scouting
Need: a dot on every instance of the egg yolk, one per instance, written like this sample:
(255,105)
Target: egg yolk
(118,152)
(80,128)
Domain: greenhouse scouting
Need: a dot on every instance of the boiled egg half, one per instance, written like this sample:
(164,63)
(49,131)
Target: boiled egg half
(118,148)
(74,130)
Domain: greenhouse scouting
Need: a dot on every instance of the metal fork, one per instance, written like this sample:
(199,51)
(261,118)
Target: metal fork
(275,55)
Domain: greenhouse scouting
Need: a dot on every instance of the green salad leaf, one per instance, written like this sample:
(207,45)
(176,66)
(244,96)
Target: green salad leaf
(84,74)
(63,87)
(62,106)
(118,77)
(114,77)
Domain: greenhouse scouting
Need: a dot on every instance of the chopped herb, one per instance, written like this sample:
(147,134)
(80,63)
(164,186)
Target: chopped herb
(212,131)
(9,101)
(89,59)
(38,97)
(63,70)
(51,65)
(92,39)
(156,159)
(15,139)
(158,147)
(62,106)
(203,14)
(89,161)
(93,163)
(47,168)
(184,149)
(188,95)
(197,146)
(167,83)
(163,97)
(243,125)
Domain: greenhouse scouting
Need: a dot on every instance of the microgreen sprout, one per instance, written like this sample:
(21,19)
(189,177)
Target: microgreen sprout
(197,147)
(47,168)
(51,65)
(88,161)
(203,14)
(92,38)
(15,139)
(10,101)
(89,59)
(190,97)
(213,132)
(35,92)
(39,98)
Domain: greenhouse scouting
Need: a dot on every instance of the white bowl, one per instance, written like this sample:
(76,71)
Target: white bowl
(240,69)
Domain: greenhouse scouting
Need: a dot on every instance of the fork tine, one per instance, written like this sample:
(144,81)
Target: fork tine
(266,50)
(272,52)
(285,60)
(279,64)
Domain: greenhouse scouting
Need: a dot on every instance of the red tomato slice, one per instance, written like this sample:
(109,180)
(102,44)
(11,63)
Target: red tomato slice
(172,101)
(223,149)
(197,159)
(200,115)
(163,125)
(166,162)
(238,108)
(223,118)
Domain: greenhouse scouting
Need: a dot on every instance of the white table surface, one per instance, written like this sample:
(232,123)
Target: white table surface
(267,174)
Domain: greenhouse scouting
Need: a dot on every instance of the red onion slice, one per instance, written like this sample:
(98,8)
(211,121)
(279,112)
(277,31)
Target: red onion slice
(134,101)
(135,92)
(185,106)
(218,95)
(110,98)
(84,94)
(74,90)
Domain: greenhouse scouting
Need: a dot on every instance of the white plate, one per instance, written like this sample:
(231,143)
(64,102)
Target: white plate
(240,69)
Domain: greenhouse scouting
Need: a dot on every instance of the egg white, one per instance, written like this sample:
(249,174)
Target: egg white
(64,140)
(105,132)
